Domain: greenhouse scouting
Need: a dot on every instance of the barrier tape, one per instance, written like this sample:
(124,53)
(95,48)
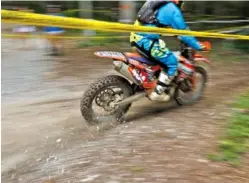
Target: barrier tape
(59,37)
(48,20)
(99,37)
(102,37)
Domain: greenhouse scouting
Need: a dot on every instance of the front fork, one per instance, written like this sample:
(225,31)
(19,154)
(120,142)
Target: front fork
(185,82)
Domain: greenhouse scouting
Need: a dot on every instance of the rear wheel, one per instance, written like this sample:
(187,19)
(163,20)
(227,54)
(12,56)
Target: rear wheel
(190,91)
(98,102)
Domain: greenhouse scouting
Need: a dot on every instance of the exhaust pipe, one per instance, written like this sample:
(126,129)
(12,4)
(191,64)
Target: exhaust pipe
(122,68)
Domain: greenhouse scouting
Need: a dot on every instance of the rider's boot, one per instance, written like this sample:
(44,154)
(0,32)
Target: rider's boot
(158,93)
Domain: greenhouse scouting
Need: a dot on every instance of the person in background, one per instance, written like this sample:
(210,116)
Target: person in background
(51,32)
(24,30)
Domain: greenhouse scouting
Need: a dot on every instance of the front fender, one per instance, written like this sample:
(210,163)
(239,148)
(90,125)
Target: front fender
(200,58)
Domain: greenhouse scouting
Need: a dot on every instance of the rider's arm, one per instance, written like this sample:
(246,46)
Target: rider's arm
(171,15)
(179,23)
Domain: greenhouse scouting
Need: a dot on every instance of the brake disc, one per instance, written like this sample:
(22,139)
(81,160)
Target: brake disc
(105,96)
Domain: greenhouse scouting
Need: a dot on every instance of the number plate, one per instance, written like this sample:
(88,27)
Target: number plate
(109,54)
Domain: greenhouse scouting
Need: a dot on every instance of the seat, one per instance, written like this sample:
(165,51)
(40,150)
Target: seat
(141,52)
(142,57)
(148,58)
(139,57)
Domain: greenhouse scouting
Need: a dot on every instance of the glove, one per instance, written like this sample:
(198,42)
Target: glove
(205,46)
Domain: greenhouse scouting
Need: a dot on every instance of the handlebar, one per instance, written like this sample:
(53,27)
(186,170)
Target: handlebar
(189,52)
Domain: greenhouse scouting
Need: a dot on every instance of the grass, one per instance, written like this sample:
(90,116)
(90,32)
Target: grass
(136,169)
(235,142)
(243,102)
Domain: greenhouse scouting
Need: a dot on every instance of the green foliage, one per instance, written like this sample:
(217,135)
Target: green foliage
(37,8)
(236,139)
(240,44)
(68,13)
(243,102)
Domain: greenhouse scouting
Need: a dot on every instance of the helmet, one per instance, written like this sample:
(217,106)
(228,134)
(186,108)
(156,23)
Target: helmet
(178,3)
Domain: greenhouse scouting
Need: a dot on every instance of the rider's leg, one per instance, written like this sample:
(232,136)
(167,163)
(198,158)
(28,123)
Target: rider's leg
(161,53)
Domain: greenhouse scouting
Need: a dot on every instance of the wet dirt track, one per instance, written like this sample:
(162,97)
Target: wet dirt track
(44,136)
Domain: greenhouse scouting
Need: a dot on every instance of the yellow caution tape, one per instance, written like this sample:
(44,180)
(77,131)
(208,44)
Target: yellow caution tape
(60,37)
(95,37)
(48,20)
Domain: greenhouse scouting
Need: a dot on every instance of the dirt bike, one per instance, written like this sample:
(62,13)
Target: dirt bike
(113,95)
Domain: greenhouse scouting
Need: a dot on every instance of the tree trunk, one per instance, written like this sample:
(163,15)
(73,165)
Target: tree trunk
(127,11)
(87,13)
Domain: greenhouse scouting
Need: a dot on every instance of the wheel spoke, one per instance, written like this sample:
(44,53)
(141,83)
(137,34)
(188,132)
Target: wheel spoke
(105,101)
(98,101)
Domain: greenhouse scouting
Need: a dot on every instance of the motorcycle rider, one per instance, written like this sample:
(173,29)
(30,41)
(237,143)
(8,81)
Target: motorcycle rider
(163,13)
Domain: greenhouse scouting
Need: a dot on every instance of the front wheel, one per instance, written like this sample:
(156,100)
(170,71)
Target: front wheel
(191,90)
(98,102)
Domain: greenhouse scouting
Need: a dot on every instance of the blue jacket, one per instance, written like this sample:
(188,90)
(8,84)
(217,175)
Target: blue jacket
(170,15)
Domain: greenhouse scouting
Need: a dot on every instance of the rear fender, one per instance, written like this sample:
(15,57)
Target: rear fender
(111,54)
